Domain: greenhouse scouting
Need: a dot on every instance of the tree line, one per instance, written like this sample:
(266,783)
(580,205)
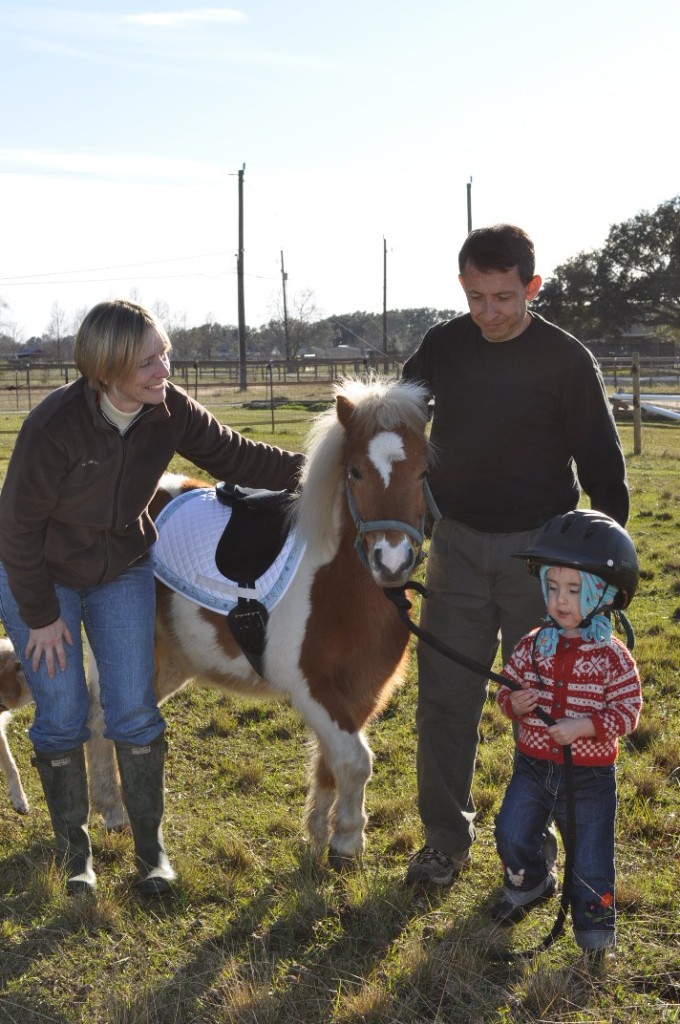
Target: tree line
(300,333)
(632,281)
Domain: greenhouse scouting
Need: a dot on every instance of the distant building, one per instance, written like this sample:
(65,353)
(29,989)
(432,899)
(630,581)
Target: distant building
(30,353)
(640,338)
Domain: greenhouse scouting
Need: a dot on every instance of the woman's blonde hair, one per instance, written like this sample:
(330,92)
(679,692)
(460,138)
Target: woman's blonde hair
(110,340)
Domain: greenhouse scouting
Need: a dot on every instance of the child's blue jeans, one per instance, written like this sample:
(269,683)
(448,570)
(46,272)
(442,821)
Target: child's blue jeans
(536,794)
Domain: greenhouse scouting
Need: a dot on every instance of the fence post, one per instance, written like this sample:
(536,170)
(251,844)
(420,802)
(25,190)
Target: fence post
(637,411)
(270,368)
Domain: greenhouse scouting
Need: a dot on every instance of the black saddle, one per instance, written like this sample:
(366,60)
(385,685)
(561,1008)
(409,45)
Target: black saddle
(252,539)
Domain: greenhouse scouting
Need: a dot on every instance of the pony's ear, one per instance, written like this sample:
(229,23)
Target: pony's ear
(344,408)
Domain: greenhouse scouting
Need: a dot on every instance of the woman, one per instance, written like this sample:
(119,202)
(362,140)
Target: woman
(75,537)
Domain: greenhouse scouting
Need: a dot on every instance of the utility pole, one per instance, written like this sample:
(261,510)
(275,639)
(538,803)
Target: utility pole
(284,278)
(384,317)
(469,204)
(243,368)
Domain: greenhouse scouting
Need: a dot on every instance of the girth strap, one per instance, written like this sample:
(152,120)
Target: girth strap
(252,540)
(248,624)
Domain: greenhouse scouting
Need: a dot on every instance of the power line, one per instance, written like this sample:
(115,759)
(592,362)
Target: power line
(114,266)
(366,344)
(12,282)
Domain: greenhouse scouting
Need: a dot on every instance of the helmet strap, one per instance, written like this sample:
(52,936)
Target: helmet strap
(624,625)
(599,609)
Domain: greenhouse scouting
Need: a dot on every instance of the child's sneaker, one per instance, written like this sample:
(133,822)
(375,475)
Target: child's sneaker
(506,913)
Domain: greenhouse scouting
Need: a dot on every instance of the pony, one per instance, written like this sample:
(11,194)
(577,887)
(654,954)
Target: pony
(14,694)
(334,646)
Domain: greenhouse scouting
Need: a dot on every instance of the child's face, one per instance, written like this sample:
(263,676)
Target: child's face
(564,592)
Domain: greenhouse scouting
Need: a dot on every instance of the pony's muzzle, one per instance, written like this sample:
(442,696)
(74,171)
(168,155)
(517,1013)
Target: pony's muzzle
(392,559)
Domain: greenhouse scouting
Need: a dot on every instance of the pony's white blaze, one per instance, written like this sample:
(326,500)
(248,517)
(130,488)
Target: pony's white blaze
(384,449)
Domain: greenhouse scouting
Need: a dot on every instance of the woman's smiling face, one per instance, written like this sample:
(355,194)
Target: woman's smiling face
(145,385)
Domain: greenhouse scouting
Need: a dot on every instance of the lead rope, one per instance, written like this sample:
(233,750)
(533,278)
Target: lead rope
(570,837)
(397,595)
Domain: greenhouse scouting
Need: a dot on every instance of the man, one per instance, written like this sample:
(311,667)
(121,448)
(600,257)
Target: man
(521,423)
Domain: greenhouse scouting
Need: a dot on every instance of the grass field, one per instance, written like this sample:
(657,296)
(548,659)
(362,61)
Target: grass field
(258,932)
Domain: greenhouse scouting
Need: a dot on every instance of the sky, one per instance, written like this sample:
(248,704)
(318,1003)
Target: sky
(357,125)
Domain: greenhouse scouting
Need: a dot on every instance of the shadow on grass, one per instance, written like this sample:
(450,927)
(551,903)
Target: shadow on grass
(329,955)
(310,947)
(294,966)
(17,959)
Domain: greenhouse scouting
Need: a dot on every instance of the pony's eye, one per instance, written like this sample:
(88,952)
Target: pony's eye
(354,473)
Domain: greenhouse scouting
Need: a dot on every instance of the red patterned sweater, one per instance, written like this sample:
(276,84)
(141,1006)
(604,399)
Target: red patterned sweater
(599,681)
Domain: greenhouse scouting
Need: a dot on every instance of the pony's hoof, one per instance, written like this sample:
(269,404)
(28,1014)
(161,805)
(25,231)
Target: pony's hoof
(342,862)
(116,821)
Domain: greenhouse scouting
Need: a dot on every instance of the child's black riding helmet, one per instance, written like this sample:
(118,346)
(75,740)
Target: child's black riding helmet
(591,542)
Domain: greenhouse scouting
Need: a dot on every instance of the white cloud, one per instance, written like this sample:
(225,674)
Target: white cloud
(173,19)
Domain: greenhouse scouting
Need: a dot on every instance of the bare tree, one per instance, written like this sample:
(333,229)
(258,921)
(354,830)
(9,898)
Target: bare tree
(9,340)
(292,334)
(77,318)
(161,311)
(57,330)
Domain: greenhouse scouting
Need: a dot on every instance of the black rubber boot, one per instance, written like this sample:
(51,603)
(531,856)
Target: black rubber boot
(142,778)
(64,782)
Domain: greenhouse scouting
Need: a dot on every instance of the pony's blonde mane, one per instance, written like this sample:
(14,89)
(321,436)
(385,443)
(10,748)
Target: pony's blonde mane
(379,404)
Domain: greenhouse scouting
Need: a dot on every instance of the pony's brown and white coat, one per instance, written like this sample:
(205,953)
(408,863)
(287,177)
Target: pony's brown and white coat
(335,646)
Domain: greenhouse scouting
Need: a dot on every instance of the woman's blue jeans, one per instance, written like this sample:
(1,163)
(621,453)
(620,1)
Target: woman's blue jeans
(536,794)
(118,619)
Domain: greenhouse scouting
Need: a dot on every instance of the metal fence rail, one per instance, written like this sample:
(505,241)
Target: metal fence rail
(277,394)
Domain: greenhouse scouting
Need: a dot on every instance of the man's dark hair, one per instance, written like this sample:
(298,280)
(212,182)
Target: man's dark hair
(500,247)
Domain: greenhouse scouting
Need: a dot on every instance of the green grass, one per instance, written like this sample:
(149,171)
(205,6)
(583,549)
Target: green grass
(258,932)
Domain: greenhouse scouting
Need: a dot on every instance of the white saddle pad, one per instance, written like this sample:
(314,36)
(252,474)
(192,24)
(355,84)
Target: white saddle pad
(189,528)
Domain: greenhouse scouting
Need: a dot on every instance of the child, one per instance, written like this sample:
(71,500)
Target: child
(587,681)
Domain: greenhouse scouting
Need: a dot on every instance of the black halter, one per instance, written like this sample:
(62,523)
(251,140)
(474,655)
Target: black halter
(373,525)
